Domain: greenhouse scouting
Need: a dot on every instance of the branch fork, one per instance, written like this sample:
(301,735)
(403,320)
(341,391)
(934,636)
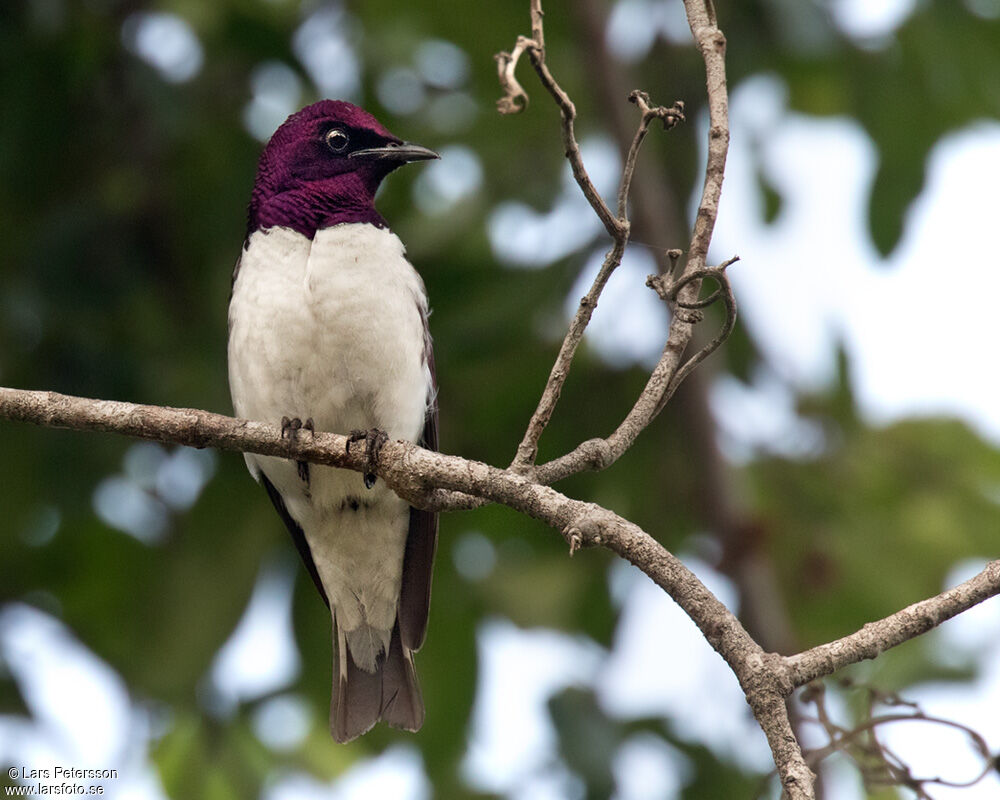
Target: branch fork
(595,453)
(669,116)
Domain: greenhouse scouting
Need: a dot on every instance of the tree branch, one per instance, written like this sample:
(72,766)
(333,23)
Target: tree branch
(877,637)
(413,473)
(879,765)
(424,477)
(681,294)
(599,454)
(594,453)
(186,426)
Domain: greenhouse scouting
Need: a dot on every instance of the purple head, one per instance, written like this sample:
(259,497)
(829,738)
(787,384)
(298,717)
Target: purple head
(322,168)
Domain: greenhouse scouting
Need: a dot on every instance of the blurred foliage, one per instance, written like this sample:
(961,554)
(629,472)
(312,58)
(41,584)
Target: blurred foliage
(921,494)
(122,195)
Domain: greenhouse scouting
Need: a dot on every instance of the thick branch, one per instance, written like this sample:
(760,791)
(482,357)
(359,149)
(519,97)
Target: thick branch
(422,476)
(186,426)
(413,473)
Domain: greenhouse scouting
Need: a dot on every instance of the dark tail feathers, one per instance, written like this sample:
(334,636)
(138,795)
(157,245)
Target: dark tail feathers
(360,699)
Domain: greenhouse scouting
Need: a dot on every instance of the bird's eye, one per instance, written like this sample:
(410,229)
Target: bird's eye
(337,140)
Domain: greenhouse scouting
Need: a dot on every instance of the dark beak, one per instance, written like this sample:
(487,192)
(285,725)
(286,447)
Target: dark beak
(402,153)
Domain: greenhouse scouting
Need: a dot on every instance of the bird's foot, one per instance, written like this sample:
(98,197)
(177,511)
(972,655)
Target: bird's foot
(374,439)
(290,428)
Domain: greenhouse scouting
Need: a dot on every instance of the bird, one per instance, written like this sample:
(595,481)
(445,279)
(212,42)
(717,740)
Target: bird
(328,331)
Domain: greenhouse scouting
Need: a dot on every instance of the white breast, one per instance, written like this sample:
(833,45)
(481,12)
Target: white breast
(333,329)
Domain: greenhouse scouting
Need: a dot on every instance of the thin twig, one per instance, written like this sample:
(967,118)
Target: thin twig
(669,116)
(597,454)
(617,226)
(882,766)
(876,637)
(527,450)
(567,113)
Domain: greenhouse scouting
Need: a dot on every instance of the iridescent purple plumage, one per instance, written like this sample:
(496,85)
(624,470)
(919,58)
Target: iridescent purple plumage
(302,186)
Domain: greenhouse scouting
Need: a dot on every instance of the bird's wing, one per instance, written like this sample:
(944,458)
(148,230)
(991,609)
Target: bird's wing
(236,271)
(421,542)
(297,535)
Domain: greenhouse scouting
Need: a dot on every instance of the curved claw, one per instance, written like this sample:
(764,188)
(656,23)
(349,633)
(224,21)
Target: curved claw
(290,427)
(374,439)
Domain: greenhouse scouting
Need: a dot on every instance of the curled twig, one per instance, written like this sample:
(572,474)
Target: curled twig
(670,291)
(711,272)
(670,116)
(514,99)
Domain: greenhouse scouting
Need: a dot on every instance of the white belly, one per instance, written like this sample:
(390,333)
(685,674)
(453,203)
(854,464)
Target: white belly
(333,329)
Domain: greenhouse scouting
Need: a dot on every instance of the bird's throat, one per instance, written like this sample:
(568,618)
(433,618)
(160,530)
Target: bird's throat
(318,204)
